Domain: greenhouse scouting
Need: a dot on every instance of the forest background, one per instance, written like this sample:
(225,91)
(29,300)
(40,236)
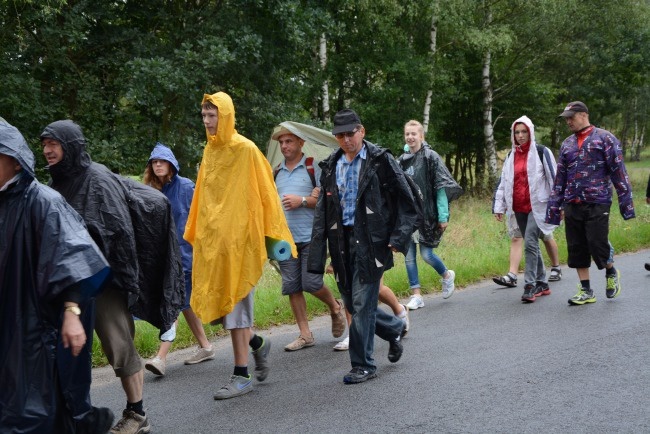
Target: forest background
(132,73)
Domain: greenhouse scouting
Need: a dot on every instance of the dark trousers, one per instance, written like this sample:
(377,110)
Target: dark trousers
(367,319)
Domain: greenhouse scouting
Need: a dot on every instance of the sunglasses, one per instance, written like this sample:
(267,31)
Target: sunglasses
(349,134)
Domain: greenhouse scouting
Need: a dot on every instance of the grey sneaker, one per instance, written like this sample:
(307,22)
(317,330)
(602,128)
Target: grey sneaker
(301,342)
(448,285)
(582,297)
(200,355)
(156,365)
(131,423)
(235,387)
(261,360)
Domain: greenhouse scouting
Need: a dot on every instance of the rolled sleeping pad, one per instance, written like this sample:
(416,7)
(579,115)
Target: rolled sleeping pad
(279,250)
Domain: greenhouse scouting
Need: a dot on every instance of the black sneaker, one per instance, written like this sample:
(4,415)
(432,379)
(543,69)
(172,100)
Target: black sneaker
(613,285)
(529,293)
(541,288)
(647,266)
(358,375)
(395,350)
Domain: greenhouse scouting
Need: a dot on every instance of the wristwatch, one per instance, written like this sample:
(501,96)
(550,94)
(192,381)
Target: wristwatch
(304,202)
(73,309)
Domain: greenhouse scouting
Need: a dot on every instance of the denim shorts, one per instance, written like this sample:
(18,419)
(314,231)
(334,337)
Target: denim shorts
(295,277)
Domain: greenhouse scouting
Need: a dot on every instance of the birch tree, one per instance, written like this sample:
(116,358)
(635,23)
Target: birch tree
(434,35)
(325,95)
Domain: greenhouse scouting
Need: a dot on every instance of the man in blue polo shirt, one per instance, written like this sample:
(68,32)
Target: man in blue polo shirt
(295,186)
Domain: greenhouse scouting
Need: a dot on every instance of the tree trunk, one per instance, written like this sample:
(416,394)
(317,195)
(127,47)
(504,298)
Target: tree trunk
(628,114)
(427,110)
(325,95)
(639,146)
(434,33)
(488,130)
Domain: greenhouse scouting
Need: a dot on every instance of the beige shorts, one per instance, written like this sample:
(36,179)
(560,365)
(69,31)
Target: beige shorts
(115,328)
(241,316)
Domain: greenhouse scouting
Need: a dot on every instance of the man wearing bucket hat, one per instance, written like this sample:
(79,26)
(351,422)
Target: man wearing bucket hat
(293,178)
(365,212)
(589,160)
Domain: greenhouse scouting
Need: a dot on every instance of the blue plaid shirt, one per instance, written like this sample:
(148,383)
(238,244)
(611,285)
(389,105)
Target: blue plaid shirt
(347,180)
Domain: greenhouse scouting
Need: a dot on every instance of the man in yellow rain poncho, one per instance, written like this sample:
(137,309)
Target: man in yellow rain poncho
(235,206)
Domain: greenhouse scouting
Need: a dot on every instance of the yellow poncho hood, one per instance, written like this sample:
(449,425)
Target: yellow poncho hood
(235,205)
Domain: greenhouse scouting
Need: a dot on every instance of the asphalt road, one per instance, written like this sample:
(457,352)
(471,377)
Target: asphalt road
(480,361)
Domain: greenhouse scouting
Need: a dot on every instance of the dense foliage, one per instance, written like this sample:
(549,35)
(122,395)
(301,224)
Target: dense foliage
(132,73)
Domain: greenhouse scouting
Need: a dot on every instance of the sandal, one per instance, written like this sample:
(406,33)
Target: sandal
(556,274)
(509,280)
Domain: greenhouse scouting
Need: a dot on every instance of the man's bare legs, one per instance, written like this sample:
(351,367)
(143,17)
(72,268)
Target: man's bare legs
(240,339)
(299,307)
(133,385)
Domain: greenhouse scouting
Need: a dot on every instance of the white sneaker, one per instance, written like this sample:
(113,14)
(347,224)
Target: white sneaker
(415,302)
(448,285)
(344,345)
(404,316)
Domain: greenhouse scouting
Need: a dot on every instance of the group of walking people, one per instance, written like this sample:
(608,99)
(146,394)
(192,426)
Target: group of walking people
(539,194)
(94,250)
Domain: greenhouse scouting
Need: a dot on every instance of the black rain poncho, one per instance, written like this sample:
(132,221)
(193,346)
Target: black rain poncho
(131,223)
(46,257)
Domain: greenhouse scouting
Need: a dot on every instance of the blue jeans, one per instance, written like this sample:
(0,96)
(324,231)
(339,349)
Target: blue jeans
(428,256)
(368,319)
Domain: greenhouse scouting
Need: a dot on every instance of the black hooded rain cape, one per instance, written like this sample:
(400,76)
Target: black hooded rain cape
(46,257)
(131,223)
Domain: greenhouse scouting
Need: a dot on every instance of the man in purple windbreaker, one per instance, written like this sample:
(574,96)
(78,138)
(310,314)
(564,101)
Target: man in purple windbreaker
(590,159)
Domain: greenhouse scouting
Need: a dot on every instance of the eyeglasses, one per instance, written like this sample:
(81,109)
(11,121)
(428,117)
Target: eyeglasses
(349,134)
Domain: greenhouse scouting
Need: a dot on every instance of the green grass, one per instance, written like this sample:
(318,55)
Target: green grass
(475,245)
